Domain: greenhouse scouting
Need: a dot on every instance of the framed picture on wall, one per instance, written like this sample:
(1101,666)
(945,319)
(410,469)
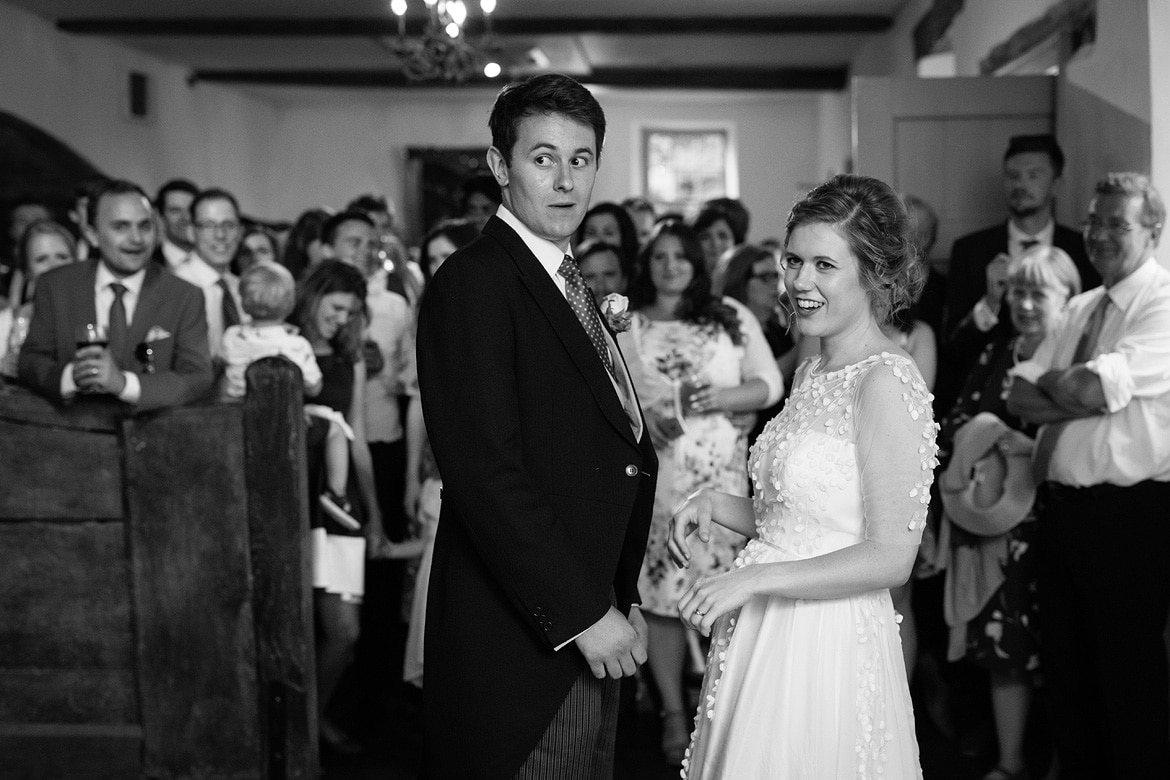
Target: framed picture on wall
(682,166)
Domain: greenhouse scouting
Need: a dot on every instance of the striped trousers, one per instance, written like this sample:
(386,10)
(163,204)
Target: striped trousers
(579,742)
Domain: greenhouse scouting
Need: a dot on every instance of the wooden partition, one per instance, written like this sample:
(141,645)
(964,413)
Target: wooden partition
(155,592)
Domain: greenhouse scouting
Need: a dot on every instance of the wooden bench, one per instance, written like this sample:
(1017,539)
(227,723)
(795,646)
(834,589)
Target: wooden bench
(155,589)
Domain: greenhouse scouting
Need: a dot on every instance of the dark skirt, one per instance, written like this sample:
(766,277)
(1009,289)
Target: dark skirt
(1005,635)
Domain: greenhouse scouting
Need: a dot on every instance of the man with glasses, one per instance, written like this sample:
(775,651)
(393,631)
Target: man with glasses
(173,204)
(216,217)
(1099,385)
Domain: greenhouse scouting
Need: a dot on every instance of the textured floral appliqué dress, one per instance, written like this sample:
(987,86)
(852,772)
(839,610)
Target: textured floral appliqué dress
(816,689)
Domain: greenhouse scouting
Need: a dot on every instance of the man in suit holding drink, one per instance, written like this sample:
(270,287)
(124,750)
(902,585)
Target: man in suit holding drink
(118,325)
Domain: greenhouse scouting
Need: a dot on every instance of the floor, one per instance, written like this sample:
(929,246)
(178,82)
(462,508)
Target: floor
(384,714)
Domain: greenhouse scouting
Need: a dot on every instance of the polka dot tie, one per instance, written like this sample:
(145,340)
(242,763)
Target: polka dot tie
(581,300)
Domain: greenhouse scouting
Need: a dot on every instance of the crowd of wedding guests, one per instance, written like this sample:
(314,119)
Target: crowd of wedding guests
(1040,575)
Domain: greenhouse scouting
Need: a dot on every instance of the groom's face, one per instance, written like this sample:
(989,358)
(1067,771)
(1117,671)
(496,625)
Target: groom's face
(549,180)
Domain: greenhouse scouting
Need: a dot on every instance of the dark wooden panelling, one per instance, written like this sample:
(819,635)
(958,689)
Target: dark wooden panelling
(88,414)
(92,489)
(68,696)
(36,752)
(64,597)
(274,429)
(501,25)
(688,78)
(192,593)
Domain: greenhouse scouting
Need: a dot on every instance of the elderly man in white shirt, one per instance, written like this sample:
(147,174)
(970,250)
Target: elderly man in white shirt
(1100,386)
(216,216)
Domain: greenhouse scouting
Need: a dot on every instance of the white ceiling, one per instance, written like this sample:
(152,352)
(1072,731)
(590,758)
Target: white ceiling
(747,48)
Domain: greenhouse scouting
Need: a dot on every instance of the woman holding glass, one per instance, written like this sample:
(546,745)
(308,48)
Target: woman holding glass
(695,361)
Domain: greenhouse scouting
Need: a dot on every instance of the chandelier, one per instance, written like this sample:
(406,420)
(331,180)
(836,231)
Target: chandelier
(443,51)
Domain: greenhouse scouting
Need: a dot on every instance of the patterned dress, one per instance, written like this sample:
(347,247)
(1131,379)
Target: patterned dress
(711,453)
(1005,635)
(816,688)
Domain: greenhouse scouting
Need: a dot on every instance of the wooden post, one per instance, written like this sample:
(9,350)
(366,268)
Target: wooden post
(192,590)
(278,519)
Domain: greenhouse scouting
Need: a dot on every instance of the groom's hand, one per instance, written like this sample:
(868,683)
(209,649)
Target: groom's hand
(612,647)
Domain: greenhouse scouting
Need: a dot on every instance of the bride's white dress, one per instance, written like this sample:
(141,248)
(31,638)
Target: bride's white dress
(816,689)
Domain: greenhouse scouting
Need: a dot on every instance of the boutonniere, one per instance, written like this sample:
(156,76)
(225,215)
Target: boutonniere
(156,333)
(144,354)
(615,307)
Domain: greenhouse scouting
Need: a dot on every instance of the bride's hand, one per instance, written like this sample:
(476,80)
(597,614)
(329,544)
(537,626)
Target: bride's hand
(709,598)
(693,515)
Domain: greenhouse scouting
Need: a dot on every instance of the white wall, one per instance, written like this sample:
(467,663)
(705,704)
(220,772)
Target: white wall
(331,146)
(75,89)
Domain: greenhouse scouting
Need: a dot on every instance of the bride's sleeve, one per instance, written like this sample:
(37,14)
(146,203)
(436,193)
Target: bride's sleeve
(895,437)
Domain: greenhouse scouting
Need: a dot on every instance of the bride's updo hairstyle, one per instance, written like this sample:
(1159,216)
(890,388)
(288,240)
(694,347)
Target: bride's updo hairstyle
(873,220)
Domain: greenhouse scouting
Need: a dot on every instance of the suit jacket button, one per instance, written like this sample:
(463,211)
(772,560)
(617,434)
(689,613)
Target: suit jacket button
(631,470)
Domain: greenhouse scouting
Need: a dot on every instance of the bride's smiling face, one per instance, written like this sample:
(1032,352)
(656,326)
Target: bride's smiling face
(822,276)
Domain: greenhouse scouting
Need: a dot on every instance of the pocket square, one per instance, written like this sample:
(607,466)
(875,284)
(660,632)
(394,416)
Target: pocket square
(157,333)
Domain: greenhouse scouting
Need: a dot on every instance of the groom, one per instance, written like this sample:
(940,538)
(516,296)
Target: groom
(548,475)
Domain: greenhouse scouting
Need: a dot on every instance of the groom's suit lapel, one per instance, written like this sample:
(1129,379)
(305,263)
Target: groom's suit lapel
(564,323)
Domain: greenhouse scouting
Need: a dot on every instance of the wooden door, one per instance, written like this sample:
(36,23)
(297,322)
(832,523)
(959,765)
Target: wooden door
(943,140)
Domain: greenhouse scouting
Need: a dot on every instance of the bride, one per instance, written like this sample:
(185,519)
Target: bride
(805,677)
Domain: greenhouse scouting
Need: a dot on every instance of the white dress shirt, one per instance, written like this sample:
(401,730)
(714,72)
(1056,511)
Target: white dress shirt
(103,298)
(391,327)
(1017,238)
(1130,441)
(173,254)
(197,271)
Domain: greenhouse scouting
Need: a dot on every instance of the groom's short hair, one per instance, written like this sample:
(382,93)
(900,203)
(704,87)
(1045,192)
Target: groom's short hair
(546,93)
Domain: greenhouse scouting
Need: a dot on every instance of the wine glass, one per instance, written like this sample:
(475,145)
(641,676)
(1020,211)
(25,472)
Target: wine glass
(91,335)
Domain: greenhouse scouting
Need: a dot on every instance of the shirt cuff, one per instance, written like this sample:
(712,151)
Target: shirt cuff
(133,389)
(1029,370)
(1116,381)
(569,641)
(985,319)
(68,386)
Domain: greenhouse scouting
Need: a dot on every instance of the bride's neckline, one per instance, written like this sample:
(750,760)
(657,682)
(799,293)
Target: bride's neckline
(817,371)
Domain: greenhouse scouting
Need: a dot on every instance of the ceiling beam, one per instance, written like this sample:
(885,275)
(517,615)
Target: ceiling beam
(554,25)
(687,78)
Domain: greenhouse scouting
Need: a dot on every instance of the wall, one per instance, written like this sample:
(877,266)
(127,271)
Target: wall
(1104,103)
(75,88)
(333,145)
(1160,106)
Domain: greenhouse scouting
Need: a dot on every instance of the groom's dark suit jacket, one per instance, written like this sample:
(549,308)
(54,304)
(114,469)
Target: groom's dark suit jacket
(547,499)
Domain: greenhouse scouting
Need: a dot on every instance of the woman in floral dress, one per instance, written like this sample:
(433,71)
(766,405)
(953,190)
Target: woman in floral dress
(695,362)
(805,677)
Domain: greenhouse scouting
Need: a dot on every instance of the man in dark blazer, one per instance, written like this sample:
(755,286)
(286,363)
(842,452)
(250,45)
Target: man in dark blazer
(548,473)
(977,274)
(154,323)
